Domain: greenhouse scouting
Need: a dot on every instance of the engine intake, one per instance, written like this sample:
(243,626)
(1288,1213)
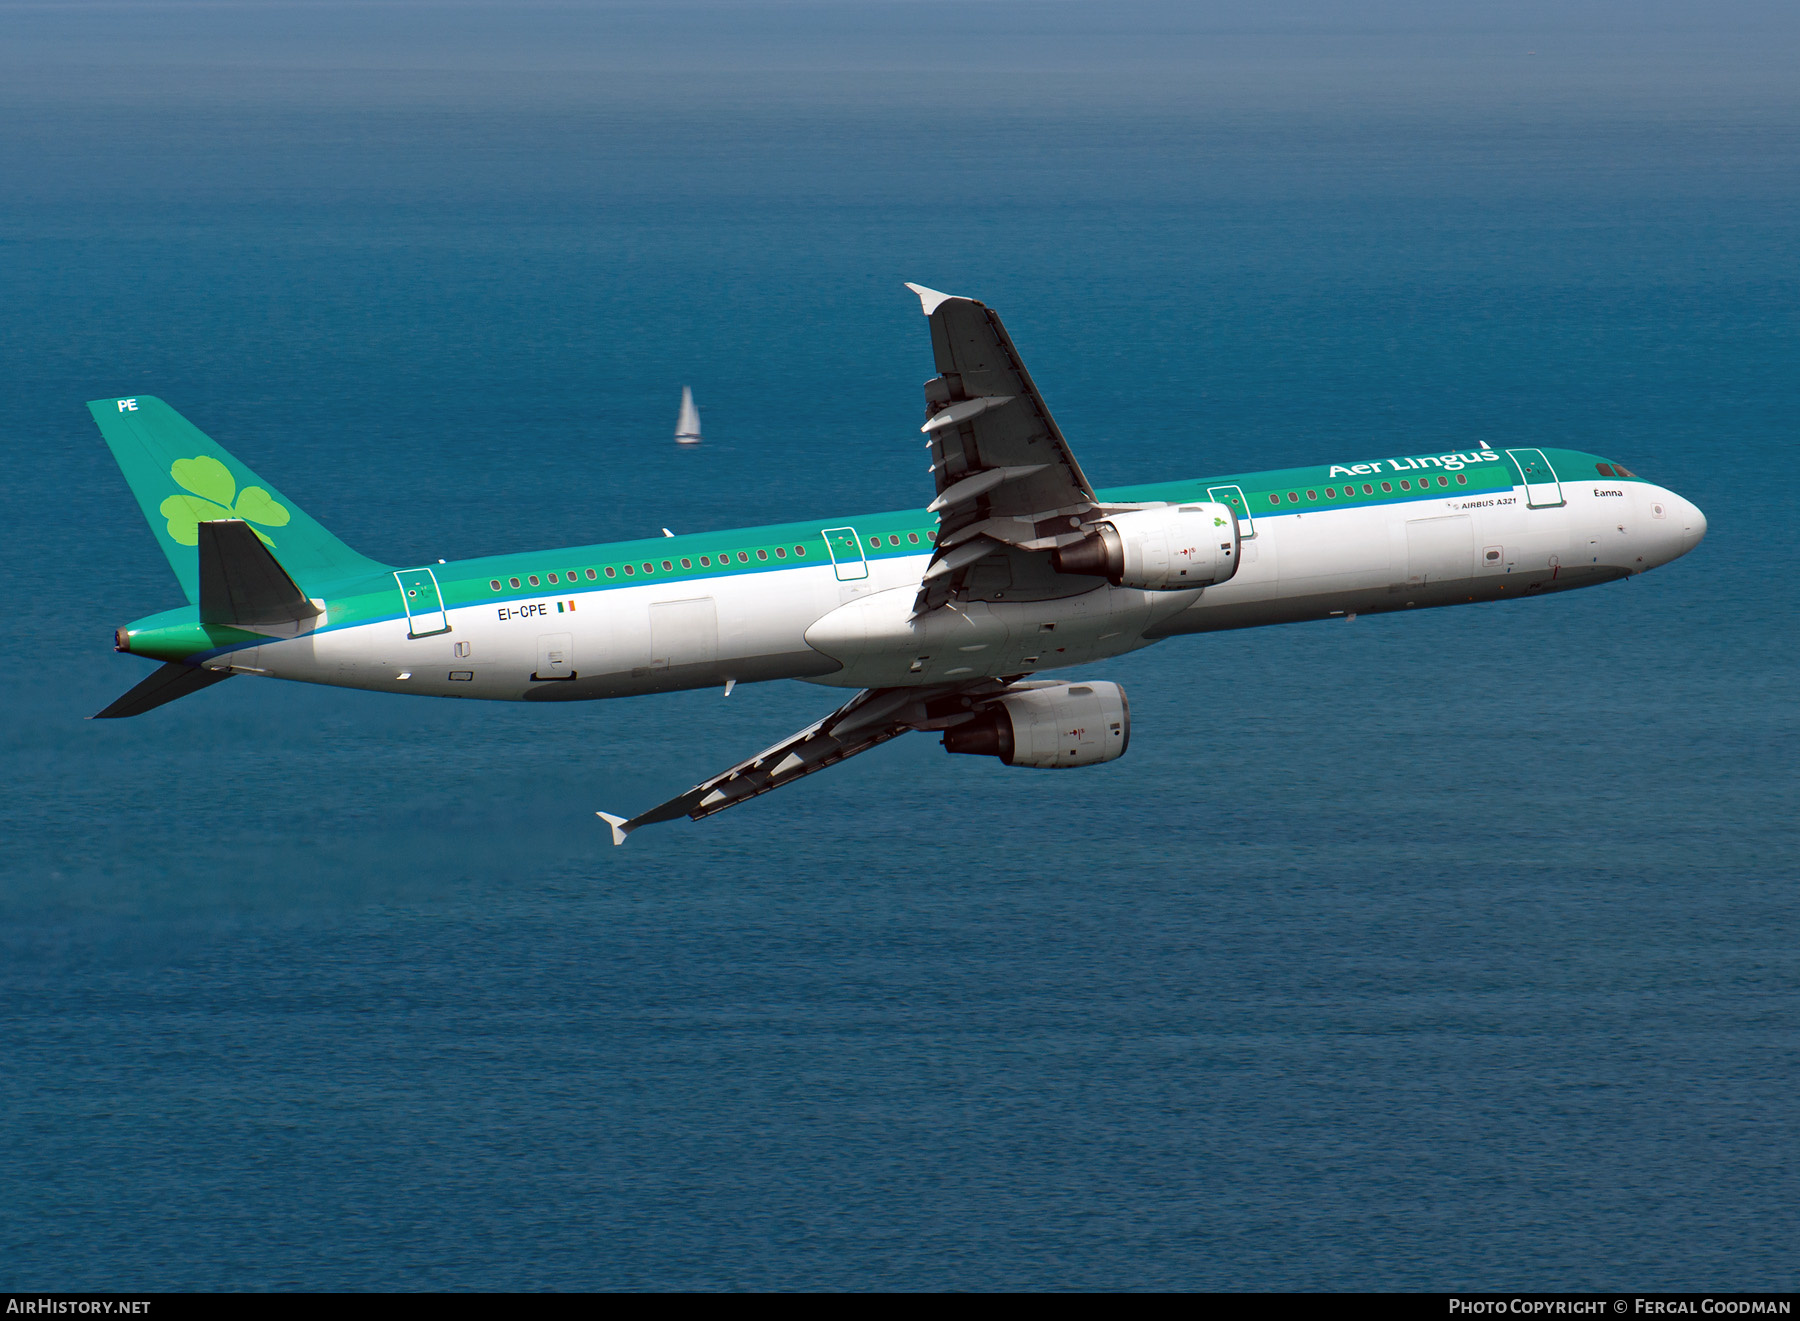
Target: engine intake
(1049,725)
(1168,549)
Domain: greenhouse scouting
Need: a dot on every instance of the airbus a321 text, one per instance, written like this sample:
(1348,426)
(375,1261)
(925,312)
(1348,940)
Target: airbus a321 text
(936,618)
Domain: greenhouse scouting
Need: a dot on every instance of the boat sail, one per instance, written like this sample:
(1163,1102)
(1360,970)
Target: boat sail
(687,425)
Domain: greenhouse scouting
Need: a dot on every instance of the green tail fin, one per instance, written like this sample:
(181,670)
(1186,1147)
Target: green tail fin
(182,479)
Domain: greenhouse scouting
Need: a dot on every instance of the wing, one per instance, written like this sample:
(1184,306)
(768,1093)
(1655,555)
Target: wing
(867,720)
(1009,490)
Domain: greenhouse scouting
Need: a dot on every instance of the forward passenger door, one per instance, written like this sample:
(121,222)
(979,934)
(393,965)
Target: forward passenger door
(1543,490)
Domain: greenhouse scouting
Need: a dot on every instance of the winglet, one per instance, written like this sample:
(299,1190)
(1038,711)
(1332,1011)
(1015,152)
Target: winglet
(619,824)
(929,299)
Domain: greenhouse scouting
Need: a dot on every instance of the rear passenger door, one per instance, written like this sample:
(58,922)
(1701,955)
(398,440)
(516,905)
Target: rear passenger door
(846,551)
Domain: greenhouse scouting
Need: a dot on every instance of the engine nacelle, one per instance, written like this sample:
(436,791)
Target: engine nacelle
(1168,549)
(1049,725)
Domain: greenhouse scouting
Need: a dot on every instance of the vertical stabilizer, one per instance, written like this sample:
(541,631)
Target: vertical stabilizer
(182,479)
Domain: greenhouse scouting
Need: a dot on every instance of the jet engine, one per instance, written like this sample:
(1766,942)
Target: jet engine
(1048,725)
(1168,549)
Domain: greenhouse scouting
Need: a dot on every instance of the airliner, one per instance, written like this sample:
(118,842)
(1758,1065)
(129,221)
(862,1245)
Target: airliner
(946,619)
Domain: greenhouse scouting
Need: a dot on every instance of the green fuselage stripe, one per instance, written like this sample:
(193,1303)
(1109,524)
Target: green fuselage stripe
(731,553)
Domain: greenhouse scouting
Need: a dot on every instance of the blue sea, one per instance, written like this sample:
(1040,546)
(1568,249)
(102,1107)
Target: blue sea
(1447,950)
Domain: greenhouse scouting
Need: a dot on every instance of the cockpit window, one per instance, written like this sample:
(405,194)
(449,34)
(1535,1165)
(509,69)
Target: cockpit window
(1605,470)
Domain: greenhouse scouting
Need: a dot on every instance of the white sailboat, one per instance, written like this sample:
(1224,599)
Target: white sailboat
(687,425)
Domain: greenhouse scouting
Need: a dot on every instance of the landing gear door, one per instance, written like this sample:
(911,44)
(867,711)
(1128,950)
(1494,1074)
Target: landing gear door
(1542,489)
(846,553)
(1233,497)
(424,605)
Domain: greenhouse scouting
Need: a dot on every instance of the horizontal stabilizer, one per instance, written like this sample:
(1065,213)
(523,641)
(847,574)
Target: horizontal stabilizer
(241,583)
(168,683)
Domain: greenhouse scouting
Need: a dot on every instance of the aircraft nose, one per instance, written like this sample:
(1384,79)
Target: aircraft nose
(1676,526)
(1691,521)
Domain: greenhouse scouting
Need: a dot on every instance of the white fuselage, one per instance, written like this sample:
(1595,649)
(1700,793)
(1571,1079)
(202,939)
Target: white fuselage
(804,623)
